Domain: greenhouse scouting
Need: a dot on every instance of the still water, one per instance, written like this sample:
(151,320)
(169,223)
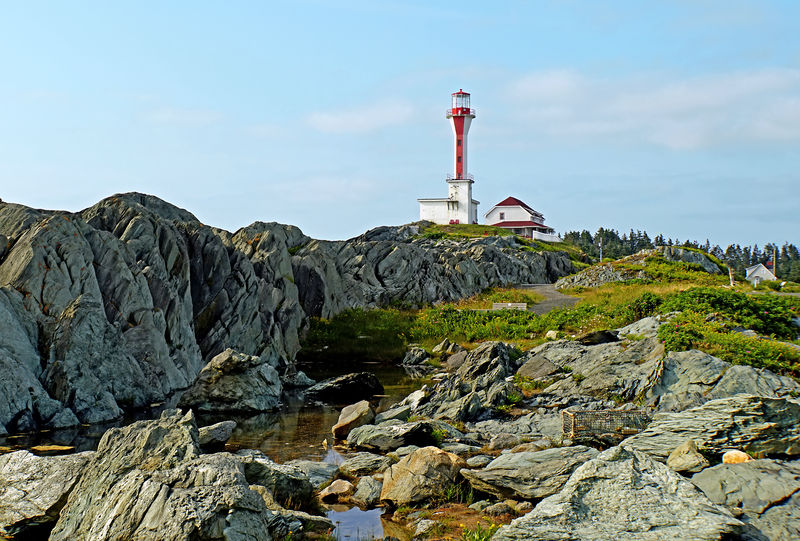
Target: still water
(297,431)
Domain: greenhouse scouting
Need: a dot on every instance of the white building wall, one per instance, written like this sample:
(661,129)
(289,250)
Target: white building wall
(435,211)
(512,214)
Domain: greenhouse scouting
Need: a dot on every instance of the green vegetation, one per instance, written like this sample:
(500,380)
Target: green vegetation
(479,533)
(711,313)
(463,231)
(454,493)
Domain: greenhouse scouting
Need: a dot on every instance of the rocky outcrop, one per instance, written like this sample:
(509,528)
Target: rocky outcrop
(122,304)
(395,264)
(765,494)
(678,254)
(344,389)
(425,473)
(33,489)
(233,381)
(352,416)
(760,425)
(390,435)
(624,493)
(529,475)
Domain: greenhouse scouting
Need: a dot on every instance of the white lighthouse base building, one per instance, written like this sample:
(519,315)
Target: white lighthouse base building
(458,208)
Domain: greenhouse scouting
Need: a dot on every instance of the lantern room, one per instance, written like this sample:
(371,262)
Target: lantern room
(460,105)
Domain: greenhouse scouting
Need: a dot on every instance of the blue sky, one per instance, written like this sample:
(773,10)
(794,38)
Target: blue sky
(680,117)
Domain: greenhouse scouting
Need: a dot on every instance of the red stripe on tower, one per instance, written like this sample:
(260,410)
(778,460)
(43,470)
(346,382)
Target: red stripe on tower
(460,115)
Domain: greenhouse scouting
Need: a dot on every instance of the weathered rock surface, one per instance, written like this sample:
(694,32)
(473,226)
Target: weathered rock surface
(760,425)
(318,473)
(421,475)
(352,416)
(122,304)
(676,253)
(216,434)
(415,356)
(33,489)
(624,494)
(338,491)
(148,480)
(766,494)
(686,458)
(368,492)
(234,381)
(361,464)
(344,389)
(529,475)
(391,435)
(289,486)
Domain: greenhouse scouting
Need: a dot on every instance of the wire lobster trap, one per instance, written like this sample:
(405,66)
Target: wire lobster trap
(597,422)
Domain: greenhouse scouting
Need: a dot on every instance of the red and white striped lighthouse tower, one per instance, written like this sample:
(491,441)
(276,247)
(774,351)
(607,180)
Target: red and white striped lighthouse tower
(460,116)
(458,207)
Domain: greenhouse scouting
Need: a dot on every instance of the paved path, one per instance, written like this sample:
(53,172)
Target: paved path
(552,298)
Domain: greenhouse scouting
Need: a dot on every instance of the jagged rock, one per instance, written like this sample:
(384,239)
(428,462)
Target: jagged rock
(318,473)
(456,360)
(478,461)
(623,493)
(529,475)
(646,327)
(686,458)
(148,480)
(597,337)
(499,508)
(361,464)
(33,489)
(424,473)
(346,388)
(424,527)
(338,491)
(415,356)
(234,381)
(503,441)
(764,493)
(761,425)
(216,434)
(387,437)
(595,276)
(401,413)
(368,492)
(352,416)
(676,253)
(289,485)
(537,366)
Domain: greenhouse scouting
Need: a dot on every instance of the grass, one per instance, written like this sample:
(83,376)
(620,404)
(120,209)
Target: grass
(463,231)
(479,533)
(497,294)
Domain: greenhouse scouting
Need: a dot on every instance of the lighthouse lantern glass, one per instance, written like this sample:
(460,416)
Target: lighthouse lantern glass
(460,101)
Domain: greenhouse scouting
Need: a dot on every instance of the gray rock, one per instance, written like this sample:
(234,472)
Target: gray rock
(529,475)
(352,416)
(479,461)
(686,458)
(216,434)
(500,508)
(646,327)
(289,485)
(676,253)
(33,489)
(425,473)
(456,360)
(148,480)
(595,276)
(406,450)
(415,356)
(764,493)
(318,473)
(623,493)
(386,438)
(536,367)
(480,506)
(234,381)
(424,526)
(401,413)
(503,441)
(368,492)
(361,464)
(767,426)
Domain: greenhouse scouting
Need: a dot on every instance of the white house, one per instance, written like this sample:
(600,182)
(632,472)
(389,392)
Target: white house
(758,273)
(458,207)
(516,216)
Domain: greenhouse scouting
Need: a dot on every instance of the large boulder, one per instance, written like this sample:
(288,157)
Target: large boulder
(624,494)
(234,381)
(289,485)
(760,425)
(344,389)
(766,493)
(318,473)
(529,475)
(33,489)
(685,255)
(352,416)
(361,464)
(148,480)
(391,435)
(425,473)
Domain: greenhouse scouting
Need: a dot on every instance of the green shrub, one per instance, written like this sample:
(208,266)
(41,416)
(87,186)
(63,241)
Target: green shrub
(479,533)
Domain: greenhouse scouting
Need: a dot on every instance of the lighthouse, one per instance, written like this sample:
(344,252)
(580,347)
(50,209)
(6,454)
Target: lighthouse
(458,207)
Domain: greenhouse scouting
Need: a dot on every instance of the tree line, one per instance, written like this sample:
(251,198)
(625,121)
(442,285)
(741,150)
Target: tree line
(614,245)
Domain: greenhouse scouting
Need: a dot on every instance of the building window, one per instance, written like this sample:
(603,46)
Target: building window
(459,142)
(459,159)
(502,215)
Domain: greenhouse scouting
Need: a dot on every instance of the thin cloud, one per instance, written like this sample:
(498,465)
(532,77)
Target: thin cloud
(688,113)
(365,119)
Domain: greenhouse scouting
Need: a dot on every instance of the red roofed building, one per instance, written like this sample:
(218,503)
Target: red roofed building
(516,216)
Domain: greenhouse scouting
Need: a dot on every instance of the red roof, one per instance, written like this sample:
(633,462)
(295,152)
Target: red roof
(514,202)
(520,224)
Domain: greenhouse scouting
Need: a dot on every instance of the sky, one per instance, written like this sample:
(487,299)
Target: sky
(676,117)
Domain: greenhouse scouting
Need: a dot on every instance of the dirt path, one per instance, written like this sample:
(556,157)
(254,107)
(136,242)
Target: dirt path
(552,298)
